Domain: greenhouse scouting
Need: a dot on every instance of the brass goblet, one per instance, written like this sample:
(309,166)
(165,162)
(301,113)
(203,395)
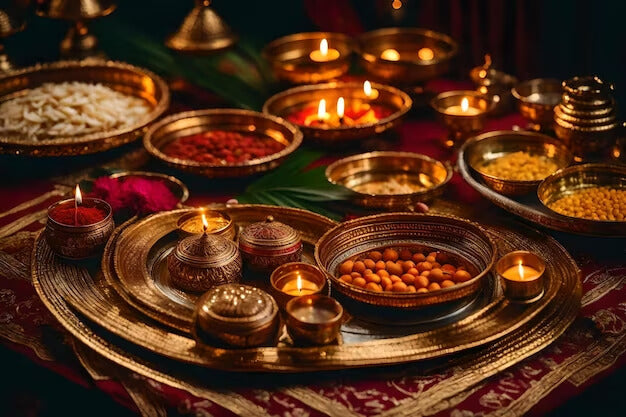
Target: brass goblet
(79,42)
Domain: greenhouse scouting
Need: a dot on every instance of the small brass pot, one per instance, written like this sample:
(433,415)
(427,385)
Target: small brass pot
(79,242)
(518,290)
(284,274)
(536,100)
(305,326)
(266,245)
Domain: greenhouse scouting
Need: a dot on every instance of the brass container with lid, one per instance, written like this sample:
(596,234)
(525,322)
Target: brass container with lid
(202,262)
(238,315)
(267,245)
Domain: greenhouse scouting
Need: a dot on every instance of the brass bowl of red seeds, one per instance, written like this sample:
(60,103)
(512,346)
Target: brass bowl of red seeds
(406,260)
(222,143)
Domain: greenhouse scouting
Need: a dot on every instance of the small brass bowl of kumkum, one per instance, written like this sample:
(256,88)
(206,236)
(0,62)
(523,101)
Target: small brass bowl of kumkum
(222,143)
(219,224)
(591,196)
(515,162)
(339,113)
(390,180)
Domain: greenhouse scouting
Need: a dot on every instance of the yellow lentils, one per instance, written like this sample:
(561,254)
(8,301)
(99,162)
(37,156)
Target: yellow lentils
(594,203)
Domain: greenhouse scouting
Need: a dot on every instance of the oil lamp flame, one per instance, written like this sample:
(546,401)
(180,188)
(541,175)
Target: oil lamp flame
(464,104)
(367,88)
(205,223)
(340,107)
(520,269)
(324,47)
(321,109)
(78,197)
(390,55)
(299,283)
(425,54)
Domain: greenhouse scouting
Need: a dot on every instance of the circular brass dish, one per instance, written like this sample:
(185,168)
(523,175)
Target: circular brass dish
(293,99)
(460,238)
(536,100)
(405,40)
(359,173)
(119,76)
(176,186)
(577,177)
(243,121)
(289,57)
(490,146)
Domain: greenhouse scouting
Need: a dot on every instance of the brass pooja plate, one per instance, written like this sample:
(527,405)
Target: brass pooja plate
(529,206)
(85,289)
(244,121)
(116,75)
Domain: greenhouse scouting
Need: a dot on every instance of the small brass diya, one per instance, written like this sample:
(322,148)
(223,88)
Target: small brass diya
(586,117)
(536,100)
(341,112)
(494,85)
(390,180)
(309,58)
(266,245)
(235,314)
(463,113)
(405,56)
(219,224)
(488,147)
(79,241)
(201,262)
(522,272)
(313,319)
(295,279)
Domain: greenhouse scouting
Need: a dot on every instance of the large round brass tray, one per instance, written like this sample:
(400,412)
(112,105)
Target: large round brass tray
(116,75)
(530,208)
(61,284)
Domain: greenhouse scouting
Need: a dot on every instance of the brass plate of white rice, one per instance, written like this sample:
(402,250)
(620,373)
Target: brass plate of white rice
(74,108)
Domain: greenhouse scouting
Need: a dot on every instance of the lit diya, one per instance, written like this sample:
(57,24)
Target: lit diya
(79,228)
(218,223)
(339,112)
(305,58)
(522,275)
(295,279)
(406,56)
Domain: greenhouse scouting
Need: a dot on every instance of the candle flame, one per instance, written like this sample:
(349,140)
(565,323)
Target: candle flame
(321,109)
(390,55)
(340,107)
(324,47)
(464,104)
(205,223)
(367,88)
(299,283)
(78,197)
(425,54)
(396,4)
(520,269)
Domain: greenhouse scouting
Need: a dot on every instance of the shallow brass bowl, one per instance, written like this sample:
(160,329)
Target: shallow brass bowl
(405,40)
(176,186)
(489,146)
(577,177)
(536,100)
(119,76)
(289,57)
(460,238)
(406,167)
(293,99)
(243,121)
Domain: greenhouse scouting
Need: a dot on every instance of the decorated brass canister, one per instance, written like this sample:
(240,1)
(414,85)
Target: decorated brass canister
(267,245)
(235,314)
(202,262)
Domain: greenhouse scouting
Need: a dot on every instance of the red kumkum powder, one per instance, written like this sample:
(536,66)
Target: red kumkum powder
(82,216)
(136,194)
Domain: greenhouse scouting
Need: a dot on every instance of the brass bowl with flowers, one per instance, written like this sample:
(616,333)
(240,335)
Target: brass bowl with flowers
(390,180)
(382,109)
(291,57)
(118,76)
(244,122)
(406,56)
(459,239)
(586,187)
(515,162)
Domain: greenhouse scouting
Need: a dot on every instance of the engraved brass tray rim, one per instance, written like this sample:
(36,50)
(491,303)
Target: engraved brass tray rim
(306,359)
(100,141)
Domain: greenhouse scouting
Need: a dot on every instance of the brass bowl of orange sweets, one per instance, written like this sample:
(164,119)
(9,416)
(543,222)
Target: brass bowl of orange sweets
(222,143)
(406,260)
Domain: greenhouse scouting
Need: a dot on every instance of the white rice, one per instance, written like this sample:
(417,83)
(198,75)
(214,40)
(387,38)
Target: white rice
(69,109)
